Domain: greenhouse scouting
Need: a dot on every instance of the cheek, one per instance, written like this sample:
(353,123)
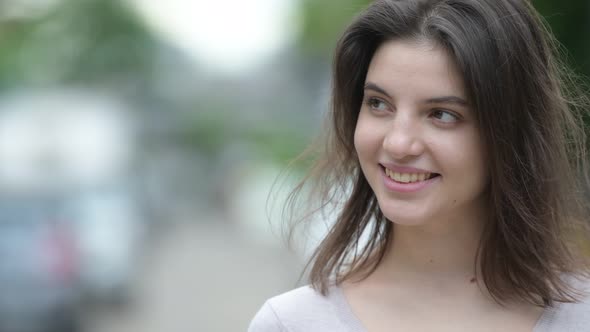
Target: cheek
(471,159)
(475,156)
(360,138)
(365,137)
(460,155)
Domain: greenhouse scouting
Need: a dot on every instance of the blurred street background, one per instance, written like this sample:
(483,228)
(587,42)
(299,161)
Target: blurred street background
(139,143)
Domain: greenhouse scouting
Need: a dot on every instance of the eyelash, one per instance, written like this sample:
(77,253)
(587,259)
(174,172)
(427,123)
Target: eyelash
(371,101)
(454,115)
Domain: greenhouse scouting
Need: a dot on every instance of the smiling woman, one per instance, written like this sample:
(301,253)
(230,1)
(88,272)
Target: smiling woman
(457,146)
(415,123)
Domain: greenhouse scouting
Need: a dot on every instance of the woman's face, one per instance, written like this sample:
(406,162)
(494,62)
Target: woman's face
(416,137)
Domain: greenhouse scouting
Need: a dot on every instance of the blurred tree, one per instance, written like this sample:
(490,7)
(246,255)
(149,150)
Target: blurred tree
(323,21)
(570,22)
(74,41)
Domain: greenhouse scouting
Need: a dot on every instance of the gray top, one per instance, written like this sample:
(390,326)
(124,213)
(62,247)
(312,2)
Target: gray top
(305,310)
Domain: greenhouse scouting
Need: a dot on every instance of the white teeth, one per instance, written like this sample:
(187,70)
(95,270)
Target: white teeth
(406,177)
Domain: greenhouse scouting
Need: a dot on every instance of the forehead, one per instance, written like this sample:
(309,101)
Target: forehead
(415,68)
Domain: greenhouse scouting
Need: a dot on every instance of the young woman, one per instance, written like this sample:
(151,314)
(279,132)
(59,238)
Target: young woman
(457,143)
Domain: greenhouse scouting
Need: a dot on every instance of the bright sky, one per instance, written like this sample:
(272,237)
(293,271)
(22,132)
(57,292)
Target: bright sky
(227,36)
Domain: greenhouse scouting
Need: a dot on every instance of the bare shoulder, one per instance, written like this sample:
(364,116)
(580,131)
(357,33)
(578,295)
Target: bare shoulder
(301,309)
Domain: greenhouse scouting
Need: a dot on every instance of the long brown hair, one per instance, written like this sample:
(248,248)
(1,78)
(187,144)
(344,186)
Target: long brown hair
(531,120)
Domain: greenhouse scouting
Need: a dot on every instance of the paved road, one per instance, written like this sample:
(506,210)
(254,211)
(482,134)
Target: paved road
(202,277)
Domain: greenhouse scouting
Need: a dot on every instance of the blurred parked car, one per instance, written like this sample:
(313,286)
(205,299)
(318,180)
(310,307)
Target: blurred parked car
(79,145)
(38,269)
(110,232)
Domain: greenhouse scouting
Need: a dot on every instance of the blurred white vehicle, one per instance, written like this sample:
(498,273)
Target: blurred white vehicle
(58,141)
(78,146)
(110,232)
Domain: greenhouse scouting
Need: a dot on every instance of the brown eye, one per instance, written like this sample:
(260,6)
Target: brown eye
(377,104)
(445,116)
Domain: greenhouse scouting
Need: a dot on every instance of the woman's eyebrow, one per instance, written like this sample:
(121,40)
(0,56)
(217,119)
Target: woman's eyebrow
(376,88)
(448,100)
(436,100)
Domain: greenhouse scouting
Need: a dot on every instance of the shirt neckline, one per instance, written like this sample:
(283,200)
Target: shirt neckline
(349,318)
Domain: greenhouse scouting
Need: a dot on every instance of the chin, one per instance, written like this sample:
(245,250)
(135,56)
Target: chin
(408,221)
(412,218)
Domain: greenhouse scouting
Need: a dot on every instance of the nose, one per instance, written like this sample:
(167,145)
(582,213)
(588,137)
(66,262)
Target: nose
(404,138)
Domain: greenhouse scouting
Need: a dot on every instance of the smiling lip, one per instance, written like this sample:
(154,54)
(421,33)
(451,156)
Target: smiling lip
(403,169)
(411,187)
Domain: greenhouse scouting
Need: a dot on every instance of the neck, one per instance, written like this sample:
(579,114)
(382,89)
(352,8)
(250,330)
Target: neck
(442,251)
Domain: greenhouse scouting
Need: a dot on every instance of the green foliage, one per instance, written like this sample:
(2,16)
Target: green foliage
(277,143)
(208,132)
(323,21)
(76,41)
(570,22)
